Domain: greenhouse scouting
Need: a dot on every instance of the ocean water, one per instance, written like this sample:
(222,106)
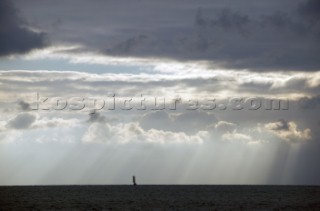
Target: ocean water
(160,197)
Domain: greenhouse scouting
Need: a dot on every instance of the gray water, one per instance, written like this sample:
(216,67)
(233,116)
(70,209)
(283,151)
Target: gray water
(160,197)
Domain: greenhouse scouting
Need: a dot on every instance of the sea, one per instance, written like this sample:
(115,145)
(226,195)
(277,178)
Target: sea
(160,197)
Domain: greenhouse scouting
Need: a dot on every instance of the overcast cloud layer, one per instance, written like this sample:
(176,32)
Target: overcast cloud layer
(186,52)
(252,35)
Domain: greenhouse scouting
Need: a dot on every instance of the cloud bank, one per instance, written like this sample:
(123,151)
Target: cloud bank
(248,35)
(16,37)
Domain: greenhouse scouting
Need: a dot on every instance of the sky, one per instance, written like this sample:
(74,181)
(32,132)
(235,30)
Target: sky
(173,92)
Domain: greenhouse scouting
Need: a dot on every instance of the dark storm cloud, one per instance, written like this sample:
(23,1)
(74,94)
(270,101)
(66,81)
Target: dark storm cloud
(256,35)
(15,37)
(311,10)
(234,40)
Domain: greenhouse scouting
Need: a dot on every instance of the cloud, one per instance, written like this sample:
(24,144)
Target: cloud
(24,106)
(226,19)
(257,36)
(236,137)
(30,121)
(232,39)
(224,83)
(224,127)
(96,117)
(188,121)
(22,121)
(280,125)
(309,102)
(310,10)
(132,133)
(288,131)
(54,122)
(16,37)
